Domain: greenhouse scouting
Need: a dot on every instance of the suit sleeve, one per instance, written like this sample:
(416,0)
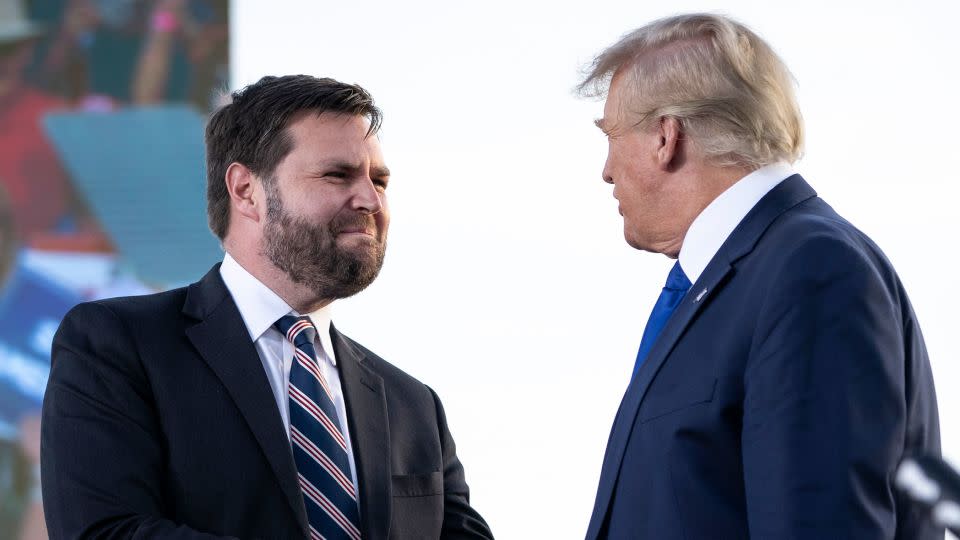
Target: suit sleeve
(460,520)
(824,411)
(101,451)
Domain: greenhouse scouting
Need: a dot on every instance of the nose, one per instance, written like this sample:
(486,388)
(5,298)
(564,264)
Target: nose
(366,197)
(607,173)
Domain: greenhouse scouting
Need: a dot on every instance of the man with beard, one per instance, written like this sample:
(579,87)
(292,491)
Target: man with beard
(232,407)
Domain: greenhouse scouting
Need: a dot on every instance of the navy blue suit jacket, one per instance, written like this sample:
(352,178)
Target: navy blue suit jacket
(159,422)
(781,395)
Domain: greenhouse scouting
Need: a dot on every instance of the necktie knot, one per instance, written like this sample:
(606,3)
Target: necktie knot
(677,280)
(299,330)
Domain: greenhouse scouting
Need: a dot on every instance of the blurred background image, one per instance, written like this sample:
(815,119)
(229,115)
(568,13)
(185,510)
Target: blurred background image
(102,104)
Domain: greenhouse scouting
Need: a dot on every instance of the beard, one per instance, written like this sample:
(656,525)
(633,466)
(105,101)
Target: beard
(309,254)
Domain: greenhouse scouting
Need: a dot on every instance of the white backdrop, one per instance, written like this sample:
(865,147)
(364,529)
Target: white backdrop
(508,287)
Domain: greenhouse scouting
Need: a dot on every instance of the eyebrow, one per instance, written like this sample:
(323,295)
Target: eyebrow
(375,171)
(599,122)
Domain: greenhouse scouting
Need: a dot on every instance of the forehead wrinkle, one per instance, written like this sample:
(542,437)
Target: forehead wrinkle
(609,128)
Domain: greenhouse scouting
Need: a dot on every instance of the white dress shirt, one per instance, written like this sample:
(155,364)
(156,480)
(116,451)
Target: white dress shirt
(715,223)
(260,308)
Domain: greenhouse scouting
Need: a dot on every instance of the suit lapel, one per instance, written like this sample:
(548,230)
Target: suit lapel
(224,344)
(623,424)
(786,195)
(370,434)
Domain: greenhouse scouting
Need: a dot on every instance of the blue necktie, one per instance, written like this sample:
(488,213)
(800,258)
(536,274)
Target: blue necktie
(673,292)
(319,447)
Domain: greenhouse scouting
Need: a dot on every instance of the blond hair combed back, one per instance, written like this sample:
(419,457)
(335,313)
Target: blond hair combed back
(730,91)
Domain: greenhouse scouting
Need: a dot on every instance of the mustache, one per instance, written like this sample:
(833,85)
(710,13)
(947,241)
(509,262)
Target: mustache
(356,221)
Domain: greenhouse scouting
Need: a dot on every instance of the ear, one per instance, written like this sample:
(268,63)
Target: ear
(669,138)
(243,187)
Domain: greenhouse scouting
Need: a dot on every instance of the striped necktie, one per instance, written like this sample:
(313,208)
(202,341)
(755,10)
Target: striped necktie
(319,448)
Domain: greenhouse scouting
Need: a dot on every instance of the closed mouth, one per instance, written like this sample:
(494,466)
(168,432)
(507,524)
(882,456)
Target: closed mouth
(357,231)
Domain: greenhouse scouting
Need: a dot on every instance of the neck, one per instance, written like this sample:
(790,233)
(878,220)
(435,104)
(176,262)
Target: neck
(707,182)
(301,298)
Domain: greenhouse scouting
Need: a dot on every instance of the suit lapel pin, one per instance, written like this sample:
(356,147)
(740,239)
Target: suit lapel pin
(700,296)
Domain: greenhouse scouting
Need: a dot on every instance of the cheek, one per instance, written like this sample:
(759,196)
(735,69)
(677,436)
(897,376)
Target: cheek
(614,161)
(629,204)
(636,201)
(383,216)
(623,162)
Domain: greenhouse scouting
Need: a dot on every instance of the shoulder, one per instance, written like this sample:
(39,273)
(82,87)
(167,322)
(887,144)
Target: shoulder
(132,307)
(381,367)
(100,345)
(812,237)
(397,382)
(811,254)
(121,316)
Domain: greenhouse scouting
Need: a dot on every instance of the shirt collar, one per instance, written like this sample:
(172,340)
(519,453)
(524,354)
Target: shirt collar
(260,307)
(321,320)
(718,220)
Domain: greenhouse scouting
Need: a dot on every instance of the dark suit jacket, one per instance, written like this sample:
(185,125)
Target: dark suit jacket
(159,422)
(781,395)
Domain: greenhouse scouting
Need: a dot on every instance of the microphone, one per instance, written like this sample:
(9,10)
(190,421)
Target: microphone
(931,482)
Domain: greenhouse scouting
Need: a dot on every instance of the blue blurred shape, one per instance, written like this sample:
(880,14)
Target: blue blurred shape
(31,307)
(142,172)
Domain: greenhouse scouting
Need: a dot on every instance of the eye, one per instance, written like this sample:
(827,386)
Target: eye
(380,183)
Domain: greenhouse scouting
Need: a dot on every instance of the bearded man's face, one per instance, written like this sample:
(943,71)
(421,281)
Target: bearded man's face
(327,216)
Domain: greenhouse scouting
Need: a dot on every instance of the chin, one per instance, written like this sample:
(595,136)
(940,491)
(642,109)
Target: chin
(641,245)
(637,245)
(633,241)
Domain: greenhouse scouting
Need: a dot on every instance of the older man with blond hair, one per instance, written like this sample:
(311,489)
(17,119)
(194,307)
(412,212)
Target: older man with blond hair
(782,374)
